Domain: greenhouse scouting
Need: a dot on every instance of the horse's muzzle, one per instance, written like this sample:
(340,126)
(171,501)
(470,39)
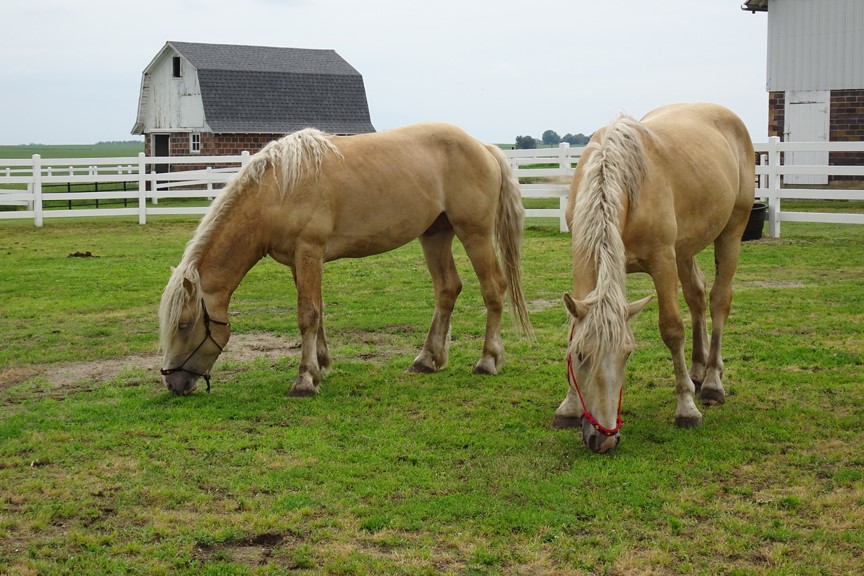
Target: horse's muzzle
(180,382)
(598,442)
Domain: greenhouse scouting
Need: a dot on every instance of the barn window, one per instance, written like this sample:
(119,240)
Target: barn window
(195,142)
(176,67)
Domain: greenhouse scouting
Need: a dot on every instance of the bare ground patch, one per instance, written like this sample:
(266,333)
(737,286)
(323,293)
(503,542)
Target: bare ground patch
(69,377)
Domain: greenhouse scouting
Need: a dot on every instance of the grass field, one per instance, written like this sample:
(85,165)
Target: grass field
(105,150)
(103,472)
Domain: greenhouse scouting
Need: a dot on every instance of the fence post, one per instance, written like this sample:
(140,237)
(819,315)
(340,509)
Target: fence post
(564,158)
(774,187)
(142,189)
(763,178)
(154,185)
(37,190)
(244,158)
(210,182)
(562,210)
(566,173)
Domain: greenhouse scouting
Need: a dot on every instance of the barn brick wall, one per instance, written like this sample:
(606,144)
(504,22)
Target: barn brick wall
(215,144)
(847,125)
(776,113)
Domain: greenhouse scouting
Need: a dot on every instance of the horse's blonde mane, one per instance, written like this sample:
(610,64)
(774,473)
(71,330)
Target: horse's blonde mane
(296,155)
(614,170)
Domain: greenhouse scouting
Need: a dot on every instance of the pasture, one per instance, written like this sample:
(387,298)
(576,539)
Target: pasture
(102,471)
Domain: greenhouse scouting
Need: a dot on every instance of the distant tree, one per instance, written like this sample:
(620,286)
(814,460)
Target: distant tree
(525,142)
(551,138)
(577,140)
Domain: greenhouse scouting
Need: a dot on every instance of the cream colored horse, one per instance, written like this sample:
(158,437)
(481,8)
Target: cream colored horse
(648,197)
(309,198)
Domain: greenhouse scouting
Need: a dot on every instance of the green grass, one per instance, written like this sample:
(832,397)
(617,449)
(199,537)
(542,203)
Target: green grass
(105,150)
(393,473)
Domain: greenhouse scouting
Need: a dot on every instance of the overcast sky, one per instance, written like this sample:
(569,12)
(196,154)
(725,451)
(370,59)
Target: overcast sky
(71,71)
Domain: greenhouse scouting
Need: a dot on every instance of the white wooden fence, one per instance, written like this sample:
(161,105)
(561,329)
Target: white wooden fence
(38,175)
(772,173)
(552,167)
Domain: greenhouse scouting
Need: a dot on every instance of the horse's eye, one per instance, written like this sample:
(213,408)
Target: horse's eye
(580,357)
(183,325)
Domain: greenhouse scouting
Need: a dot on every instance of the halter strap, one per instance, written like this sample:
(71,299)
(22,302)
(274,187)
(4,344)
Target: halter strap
(207,336)
(574,384)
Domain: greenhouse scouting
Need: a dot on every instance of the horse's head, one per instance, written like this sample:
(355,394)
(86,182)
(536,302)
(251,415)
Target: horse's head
(600,344)
(190,339)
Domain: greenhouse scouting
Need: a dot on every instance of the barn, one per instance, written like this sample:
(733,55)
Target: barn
(815,76)
(219,99)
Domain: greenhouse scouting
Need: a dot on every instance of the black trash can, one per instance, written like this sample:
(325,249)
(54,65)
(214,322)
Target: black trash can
(758,214)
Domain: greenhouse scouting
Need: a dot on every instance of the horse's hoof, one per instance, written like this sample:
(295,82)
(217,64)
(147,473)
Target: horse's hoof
(486,370)
(712,396)
(560,422)
(304,385)
(688,421)
(419,368)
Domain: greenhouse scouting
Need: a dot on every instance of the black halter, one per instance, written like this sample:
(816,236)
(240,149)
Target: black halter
(208,336)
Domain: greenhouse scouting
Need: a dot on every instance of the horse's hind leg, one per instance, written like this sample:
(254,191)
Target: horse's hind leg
(437,249)
(693,286)
(727,247)
(308,270)
(493,285)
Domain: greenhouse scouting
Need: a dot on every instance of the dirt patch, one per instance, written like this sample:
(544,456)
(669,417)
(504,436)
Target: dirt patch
(69,377)
(255,551)
(539,305)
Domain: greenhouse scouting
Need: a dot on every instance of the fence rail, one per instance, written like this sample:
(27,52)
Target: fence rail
(146,186)
(775,187)
(543,173)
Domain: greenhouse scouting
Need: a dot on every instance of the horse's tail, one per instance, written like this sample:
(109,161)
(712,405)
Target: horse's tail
(509,222)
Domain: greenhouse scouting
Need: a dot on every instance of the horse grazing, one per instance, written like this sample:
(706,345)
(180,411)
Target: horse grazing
(649,196)
(311,197)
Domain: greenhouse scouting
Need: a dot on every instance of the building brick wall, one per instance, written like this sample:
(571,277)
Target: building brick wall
(847,125)
(776,114)
(215,144)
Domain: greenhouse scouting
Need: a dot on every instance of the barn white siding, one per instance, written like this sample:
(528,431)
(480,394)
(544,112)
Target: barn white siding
(174,104)
(815,45)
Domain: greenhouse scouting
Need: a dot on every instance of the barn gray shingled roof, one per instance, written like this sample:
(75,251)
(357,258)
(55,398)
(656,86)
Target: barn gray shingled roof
(277,90)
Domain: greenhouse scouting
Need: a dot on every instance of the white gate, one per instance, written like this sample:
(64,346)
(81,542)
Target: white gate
(807,120)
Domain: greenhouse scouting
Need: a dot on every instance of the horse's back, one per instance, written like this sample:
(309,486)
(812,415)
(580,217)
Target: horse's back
(387,188)
(702,155)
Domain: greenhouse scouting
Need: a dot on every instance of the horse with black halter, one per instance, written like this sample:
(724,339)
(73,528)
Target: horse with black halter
(310,198)
(648,196)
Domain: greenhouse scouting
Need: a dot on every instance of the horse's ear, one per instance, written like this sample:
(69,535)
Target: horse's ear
(634,308)
(188,286)
(576,308)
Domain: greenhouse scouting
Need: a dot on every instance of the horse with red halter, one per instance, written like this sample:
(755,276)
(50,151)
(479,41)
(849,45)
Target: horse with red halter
(310,198)
(648,196)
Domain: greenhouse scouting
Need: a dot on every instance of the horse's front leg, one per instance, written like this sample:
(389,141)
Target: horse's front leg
(672,331)
(308,270)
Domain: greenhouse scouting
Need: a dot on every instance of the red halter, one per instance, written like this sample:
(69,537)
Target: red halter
(571,380)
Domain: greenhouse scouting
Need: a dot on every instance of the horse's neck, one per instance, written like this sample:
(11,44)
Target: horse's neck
(227,257)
